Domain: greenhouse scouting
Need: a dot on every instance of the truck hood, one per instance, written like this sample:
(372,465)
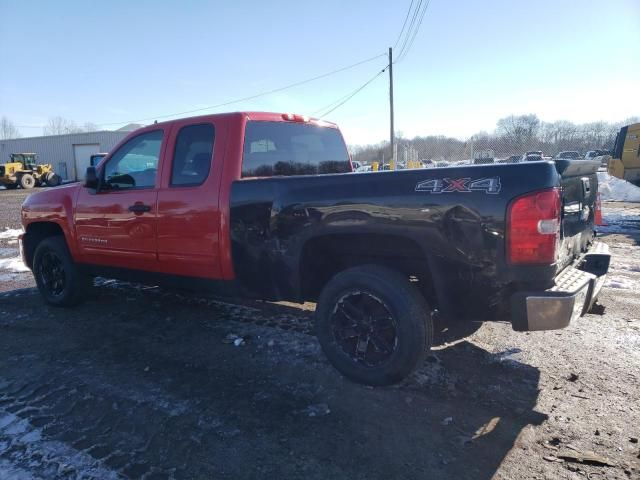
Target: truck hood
(51,195)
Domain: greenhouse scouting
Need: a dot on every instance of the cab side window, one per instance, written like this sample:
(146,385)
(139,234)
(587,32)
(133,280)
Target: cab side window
(134,164)
(192,155)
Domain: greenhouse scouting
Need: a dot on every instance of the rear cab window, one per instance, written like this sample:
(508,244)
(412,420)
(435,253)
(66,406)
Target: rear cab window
(192,155)
(287,149)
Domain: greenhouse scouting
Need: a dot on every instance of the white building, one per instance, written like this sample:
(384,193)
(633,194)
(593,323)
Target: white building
(68,154)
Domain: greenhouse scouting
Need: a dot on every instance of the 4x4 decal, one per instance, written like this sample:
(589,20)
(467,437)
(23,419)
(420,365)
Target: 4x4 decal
(490,185)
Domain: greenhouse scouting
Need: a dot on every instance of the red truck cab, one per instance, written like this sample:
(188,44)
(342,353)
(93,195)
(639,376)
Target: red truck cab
(165,207)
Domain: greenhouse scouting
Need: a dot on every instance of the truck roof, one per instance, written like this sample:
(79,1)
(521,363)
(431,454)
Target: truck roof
(257,116)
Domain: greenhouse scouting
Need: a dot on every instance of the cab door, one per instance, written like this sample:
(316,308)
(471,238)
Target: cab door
(189,216)
(116,225)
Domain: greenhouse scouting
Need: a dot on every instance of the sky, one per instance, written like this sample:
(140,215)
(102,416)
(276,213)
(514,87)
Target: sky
(114,62)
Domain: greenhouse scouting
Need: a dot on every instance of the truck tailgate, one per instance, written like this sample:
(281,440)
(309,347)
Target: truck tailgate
(579,185)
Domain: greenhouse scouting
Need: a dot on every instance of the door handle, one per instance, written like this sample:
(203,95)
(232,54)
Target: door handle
(139,208)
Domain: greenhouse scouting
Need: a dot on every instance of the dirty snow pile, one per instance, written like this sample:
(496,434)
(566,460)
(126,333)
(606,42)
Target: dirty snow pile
(10,233)
(13,263)
(617,190)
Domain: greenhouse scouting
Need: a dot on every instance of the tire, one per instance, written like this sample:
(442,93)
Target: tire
(27,181)
(53,179)
(58,278)
(365,351)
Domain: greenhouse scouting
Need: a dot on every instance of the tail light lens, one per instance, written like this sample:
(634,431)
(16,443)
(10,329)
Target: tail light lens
(533,228)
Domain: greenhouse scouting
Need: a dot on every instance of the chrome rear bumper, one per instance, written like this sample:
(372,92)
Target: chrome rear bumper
(574,293)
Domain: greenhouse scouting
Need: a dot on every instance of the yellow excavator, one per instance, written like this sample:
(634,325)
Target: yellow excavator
(625,158)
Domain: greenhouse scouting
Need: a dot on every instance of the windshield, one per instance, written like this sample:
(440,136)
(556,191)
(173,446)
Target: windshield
(283,148)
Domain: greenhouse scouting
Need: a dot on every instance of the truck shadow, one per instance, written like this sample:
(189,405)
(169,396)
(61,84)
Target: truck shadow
(151,385)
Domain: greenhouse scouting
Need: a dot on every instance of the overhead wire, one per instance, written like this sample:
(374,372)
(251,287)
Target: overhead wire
(415,33)
(238,100)
(342,100)
(409,30)
(409,37)
(403,25)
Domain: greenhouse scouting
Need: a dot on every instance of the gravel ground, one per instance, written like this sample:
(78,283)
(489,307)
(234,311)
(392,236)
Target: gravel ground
(143,383)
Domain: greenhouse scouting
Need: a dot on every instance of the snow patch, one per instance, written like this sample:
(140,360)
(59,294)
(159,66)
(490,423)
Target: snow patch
(14,264)
(619,219)
(621,283)
(10,233)
(617,190)
(7,252)
(37,451)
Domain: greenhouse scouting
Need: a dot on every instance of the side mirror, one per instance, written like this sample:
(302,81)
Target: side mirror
(91,178)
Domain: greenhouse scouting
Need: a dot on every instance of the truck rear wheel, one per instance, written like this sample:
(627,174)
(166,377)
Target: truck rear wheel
(58,278)
(27,181)
(373,325)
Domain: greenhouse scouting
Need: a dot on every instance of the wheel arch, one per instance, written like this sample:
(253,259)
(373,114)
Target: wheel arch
(35,233)
(322,257)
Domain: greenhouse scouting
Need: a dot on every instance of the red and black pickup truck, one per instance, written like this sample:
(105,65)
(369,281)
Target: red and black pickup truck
(265,205)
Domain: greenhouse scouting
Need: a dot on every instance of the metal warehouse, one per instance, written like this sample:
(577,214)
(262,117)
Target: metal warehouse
(68,154)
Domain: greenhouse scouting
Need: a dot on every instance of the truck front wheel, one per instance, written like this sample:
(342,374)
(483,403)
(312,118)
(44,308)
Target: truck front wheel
(373,325)
(58,278)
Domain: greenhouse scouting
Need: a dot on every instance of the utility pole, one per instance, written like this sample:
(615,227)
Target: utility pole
(391,132)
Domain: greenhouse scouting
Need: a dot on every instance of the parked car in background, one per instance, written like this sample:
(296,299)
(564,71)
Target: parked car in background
(355,165)
(532,156)
(512,159)
(591,154)
(569,155)
(363,169)
(603,155)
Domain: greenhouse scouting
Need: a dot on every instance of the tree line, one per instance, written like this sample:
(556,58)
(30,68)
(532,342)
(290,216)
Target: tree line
(513,135)
(54,126)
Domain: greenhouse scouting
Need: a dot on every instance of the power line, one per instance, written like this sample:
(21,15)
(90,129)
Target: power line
(330,105)
(415,32)
(349,96)
(410,28)
(243,99)
(403,24)
(409,37)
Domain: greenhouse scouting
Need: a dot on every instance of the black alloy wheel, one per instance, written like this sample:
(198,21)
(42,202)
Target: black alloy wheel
(364,328)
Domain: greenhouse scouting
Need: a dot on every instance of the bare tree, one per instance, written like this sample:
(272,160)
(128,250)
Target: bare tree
(518,130)
(514,135)
(8,129)
(60,126)
(90,127)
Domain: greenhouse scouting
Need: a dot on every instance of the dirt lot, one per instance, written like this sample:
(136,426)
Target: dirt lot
(143,383)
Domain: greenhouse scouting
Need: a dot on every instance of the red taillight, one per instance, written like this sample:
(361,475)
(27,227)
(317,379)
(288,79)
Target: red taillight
(294,117)
(533,228)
